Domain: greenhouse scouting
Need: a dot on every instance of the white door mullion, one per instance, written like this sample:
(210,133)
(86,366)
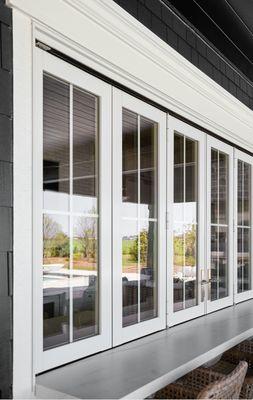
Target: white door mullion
(184,197)
(138,216)
(70,215)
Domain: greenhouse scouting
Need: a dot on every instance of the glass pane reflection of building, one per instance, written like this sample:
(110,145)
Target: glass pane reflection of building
(219,224)
(139,219)
(185,227)
(243,226)
(70,217)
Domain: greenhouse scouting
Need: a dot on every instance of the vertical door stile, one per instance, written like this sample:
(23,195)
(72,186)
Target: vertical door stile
(71,213)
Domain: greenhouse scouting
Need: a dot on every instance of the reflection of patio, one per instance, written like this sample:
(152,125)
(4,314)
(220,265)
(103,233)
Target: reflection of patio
(63,277)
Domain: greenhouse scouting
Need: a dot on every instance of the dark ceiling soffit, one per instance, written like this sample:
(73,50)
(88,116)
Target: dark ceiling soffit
(179,8)
(133,93)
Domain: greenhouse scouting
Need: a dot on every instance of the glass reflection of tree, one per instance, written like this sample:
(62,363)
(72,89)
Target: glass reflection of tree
(55,241)
(85,243)
(184,246)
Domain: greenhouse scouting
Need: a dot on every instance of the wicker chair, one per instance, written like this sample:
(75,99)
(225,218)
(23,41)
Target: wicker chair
(242,352)
(203,383)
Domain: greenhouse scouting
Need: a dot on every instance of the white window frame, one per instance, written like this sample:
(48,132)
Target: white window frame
(225,148)
(239,155)
(120,334)
(177,126)
(44,360)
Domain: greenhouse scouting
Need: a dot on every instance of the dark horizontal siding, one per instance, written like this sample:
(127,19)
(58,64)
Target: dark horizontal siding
(166,24)
(6,202)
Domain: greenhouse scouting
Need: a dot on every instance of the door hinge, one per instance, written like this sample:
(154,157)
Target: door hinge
(167,220)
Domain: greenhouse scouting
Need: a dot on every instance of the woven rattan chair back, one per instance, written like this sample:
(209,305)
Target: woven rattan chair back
(228,387)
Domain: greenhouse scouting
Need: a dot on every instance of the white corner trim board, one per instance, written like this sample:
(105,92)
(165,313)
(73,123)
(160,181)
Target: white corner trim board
(107,38)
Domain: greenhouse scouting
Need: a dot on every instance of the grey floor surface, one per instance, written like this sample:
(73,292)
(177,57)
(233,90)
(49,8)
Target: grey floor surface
(137,369)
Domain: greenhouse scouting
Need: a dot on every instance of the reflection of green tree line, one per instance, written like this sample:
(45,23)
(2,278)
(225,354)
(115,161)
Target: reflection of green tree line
(130,249)
(186,248)
(56,242)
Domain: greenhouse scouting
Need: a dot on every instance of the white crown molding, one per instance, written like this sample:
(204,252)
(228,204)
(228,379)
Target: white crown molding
(182,87)
(131,30)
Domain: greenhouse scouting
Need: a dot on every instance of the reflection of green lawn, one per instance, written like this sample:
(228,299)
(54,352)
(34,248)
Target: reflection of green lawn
(85,267)
(127,260)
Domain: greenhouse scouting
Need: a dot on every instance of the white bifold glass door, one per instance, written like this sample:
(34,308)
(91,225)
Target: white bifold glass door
(139,207)
(186,221)
(243,277)
(220,202)
(72,213)
(200,223)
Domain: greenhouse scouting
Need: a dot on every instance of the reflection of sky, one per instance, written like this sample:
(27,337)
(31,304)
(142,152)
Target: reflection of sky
(130,228)
(62,220)
(130,210)
(60,202)
(185,212)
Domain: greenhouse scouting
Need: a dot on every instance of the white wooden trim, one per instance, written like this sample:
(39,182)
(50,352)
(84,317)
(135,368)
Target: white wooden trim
(167,78)
(120,334)
(23,377)
(239,155)
(176,126)
(221,146)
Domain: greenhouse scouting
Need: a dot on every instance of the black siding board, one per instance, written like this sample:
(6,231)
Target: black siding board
(6,201)
(164,20)
(5,138)
(6,47)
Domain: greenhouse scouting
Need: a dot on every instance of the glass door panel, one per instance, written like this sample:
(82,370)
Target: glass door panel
(187,221)
(139,305)
(219,276)
(72,200)
(243,226)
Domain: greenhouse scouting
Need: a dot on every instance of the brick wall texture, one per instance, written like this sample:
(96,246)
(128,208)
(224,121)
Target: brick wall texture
(169,27)
(6,201)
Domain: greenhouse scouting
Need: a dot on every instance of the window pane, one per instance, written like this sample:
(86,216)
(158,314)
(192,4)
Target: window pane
(223,188)
(214,262)
(148,269)
(214,186)
(244,226)
(139,234)
(178,272)
(191,180)
(84,277)
(190,269)
(130,164)
(246,195)
(55,144)
(219,220)
(130,272)
(240,193)
(85,181)
(178,178)
(246,259)
(223,262)
(185,222)
(240,264)
(55,280)
(148,172)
